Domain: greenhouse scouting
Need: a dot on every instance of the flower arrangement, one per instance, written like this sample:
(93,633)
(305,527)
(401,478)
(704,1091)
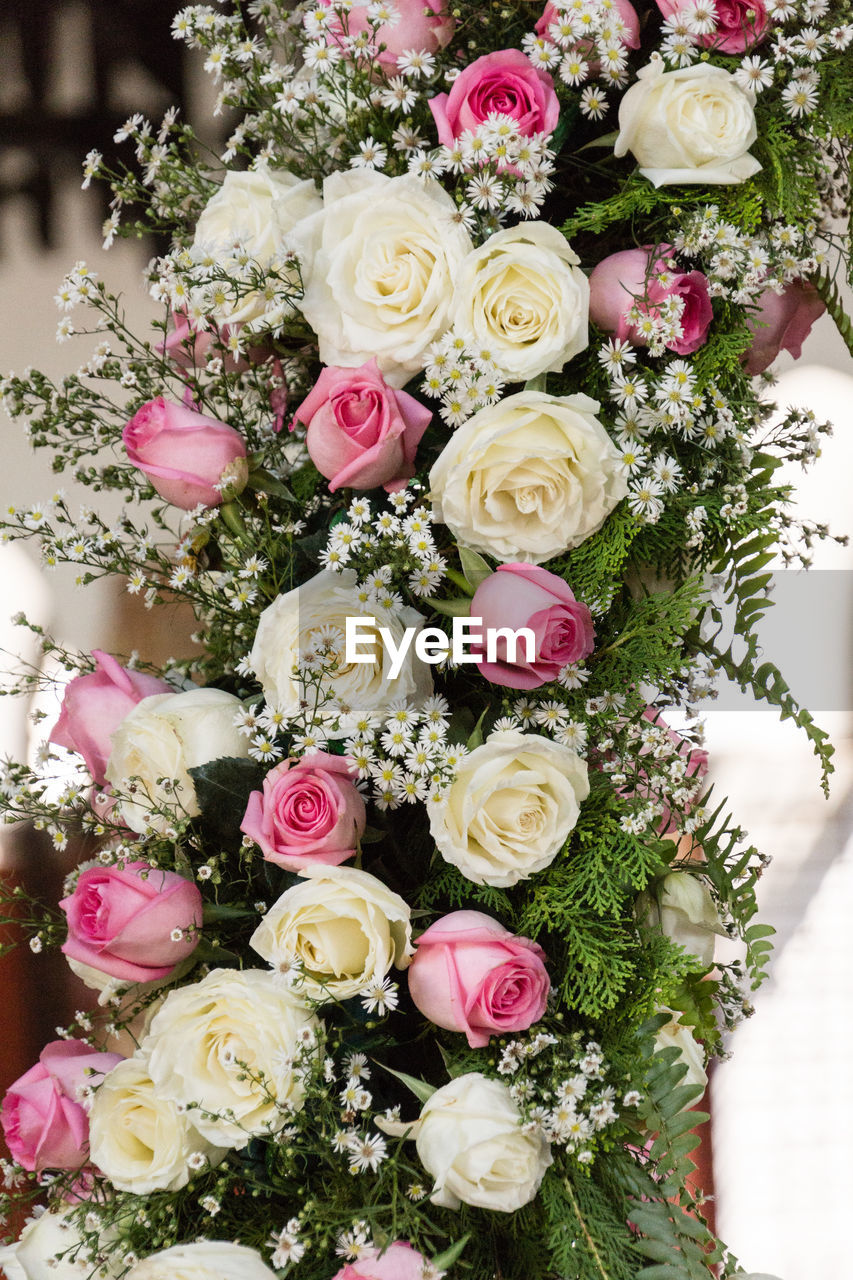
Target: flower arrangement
(456,434)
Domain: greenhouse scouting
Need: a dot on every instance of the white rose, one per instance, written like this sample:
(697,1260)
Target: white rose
(292,622)
(694,125)
(508,811)
(469,1137)
(204,1032)
(345,927)
(257,210)
(528,477)
(205,1260)
(34,1256)
(138,1138)
(522,297)
(378,266)
(673,1035)
(683,908)
(163,737)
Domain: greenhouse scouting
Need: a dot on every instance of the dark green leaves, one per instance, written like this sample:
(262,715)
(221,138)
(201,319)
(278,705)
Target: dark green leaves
(223,788)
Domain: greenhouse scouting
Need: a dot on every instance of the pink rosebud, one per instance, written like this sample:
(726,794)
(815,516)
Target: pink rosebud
(183,453)
(121,921)
(398,1262)
(191,348)
(309,812)
(525,595)
(471,974)
(43,1122)
(624,9)
(782,323)
(740,23)
(505,82)
(422,26)
(361,432)
(95,704)
(641,277)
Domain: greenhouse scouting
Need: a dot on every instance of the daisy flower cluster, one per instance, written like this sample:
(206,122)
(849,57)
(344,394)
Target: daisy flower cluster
(462,378)
(354,1138)
(202,280)
(803,34)
(391,550)
(657,409)
(581,41)
(564,1096)
(551,714)
(742,266)
(659,771)
(499,171)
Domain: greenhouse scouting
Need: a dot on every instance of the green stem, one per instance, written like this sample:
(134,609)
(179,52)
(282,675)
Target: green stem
(590,1243)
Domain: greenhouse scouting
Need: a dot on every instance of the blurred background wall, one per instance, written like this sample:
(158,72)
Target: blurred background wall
(783,1106)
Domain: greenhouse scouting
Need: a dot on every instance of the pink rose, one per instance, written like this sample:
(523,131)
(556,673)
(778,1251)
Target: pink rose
(309,812)
(782,323)
(121,919)
(420,26)
(525,595)
(361,432)
(740,23)
(95,704)
(398,1262)
(471,974)
(638,276)
(183,453)
(43,1122)
(190,348)
(624,9)
(505,82)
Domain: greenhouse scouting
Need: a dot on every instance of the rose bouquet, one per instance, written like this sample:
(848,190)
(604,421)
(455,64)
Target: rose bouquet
(401,887)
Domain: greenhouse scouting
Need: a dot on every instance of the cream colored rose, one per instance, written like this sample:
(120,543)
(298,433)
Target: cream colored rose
(378,266)
(140,1139)
(163,737)
(522,297)
(470,1139)
(528,477)
(345,927)
(289,625)
(256,209)
(204,1260)
(694,125)
(202,1035)
(508,811)
(674,1035)
(36,1254)
(683,908)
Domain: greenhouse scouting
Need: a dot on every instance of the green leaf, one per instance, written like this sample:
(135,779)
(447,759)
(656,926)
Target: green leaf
(606,140)
(216,911)
(458,607)
(422,1091)
(474,567)
(223,788)
(372,835)
(476,738)
(264,482)
(445,1260)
